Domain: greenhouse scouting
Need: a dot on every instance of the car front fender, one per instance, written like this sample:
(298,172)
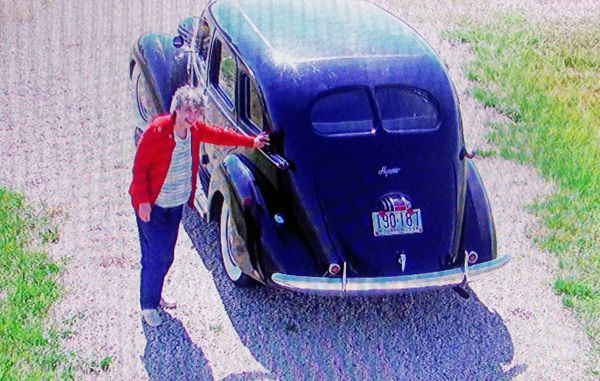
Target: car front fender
(155,55)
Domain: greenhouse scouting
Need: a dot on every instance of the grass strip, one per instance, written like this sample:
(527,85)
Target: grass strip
(545,77)
(29,350)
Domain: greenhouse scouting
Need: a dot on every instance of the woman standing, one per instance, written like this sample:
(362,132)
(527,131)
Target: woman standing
(165,172)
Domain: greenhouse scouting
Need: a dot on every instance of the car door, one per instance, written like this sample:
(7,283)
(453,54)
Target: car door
(202,28)
(221,99)
(205,34)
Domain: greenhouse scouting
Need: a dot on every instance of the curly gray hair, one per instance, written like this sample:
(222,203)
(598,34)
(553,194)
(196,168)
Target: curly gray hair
(187,95)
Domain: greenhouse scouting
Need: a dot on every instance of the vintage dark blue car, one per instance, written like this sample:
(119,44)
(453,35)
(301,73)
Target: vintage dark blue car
(367,187)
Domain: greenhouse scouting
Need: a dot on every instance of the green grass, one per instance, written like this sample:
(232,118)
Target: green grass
(29,350)
(546,79)
(102,365)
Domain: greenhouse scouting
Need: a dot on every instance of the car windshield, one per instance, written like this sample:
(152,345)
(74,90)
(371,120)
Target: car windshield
(343,112)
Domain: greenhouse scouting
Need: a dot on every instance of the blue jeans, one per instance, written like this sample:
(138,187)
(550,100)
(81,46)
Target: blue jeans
(157,241)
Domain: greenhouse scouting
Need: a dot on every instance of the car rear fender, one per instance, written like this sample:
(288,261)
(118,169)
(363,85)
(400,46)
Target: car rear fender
(155,55)
(479,232)
(272,247)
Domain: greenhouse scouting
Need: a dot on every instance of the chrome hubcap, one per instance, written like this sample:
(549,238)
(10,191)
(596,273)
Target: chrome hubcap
(228,238)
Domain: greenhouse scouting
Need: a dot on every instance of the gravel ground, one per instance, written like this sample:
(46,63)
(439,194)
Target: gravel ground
(66,142)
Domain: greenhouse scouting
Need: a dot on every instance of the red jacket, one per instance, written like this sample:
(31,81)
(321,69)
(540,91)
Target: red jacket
(153,156)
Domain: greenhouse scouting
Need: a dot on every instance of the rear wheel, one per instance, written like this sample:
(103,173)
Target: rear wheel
(231,243)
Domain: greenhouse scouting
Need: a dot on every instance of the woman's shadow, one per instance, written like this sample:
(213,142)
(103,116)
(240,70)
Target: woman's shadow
(433,335)
(170,354)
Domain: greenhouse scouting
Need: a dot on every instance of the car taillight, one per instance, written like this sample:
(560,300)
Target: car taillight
(472,257)
(334,269)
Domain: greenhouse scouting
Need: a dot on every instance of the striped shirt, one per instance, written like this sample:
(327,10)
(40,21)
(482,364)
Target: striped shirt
(177,187)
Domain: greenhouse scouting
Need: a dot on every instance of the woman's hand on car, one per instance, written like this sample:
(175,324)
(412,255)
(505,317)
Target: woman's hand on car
(144,211)
(261,140)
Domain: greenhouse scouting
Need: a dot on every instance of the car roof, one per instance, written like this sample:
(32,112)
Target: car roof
(298,49)
(296,31)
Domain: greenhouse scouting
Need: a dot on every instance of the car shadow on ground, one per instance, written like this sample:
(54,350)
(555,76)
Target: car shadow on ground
(434,335)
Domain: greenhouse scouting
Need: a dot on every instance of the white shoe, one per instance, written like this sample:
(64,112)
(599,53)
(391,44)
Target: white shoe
(152,317)
(167,303)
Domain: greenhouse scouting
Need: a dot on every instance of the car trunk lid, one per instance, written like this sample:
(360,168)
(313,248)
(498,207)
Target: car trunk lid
(369,162)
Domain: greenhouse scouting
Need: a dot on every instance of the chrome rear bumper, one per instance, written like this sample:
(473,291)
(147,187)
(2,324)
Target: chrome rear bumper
(386,285)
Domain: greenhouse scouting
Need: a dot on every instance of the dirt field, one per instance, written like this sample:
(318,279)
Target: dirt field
(66,138)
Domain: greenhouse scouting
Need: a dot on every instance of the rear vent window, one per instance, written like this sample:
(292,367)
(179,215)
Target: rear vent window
(343,112)
(405,109)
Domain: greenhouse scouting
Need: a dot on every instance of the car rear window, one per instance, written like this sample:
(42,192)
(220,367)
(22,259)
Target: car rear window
(406,109)
(343,112)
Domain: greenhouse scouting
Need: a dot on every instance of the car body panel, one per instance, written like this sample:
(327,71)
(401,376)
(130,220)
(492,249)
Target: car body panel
(479,232)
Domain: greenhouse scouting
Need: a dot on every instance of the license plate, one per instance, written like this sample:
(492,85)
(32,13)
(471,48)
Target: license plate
(397,222)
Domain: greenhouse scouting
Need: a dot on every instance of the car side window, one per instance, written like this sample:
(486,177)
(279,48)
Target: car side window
(204,39)
(223,75)
(252,107)
(255,111)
